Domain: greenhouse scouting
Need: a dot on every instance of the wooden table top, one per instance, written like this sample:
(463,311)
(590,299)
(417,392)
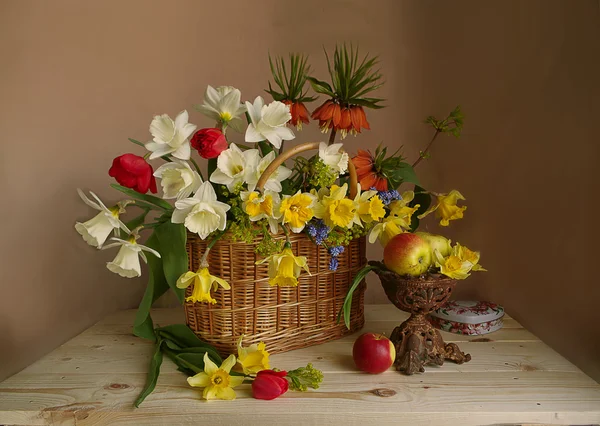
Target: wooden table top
(513,378)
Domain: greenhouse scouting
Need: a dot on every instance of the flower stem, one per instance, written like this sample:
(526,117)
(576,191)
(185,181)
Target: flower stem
(332,135)
(197,168)
(212,242)
(424,153)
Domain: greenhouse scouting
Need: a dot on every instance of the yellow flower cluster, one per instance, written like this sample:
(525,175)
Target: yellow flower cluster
(397,222)
(218,382)
(459,263)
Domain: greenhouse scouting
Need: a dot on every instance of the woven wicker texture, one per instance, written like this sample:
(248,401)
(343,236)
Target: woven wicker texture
(285,318)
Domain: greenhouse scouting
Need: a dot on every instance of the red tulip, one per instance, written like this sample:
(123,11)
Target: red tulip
(209,142)
(269,384)
(134,172)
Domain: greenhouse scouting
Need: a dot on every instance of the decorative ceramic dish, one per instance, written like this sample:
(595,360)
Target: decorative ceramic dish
(468,317)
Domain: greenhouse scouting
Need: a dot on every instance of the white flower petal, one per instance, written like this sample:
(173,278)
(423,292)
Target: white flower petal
(87,201)
(276,114)
(206,193)
(126,263)
(253,135)
(183,152)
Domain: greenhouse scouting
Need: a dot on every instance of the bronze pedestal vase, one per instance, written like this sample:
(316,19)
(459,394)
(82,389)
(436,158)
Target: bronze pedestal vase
(417,342)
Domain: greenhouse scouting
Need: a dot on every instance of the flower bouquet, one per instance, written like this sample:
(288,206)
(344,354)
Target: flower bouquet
(261,244)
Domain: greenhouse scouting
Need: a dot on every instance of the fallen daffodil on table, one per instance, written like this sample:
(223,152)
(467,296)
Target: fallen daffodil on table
(253,358)
(216,381)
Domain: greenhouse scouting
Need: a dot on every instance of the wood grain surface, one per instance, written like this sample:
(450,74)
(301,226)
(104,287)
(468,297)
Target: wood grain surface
(514,378)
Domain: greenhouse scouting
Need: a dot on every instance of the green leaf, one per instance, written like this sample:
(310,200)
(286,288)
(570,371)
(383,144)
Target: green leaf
(157,286)
(424,200)
(320,86)
(159,202)
(136,142)
(347,307)
(153,373)
(187,341)
(399,172)
(172,238)
(265,148)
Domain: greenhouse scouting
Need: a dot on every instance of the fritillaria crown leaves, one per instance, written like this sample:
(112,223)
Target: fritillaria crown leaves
(290,79)
(351,78)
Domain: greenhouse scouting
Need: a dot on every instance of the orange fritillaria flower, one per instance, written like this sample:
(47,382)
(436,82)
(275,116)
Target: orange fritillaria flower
(367,173)
(299,113)
(347,119)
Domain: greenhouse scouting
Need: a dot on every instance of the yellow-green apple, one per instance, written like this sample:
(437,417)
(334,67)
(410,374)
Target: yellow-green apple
(407,254)
(436,242)
(373,353)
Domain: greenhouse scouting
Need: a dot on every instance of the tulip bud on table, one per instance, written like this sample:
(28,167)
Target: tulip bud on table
(468,317)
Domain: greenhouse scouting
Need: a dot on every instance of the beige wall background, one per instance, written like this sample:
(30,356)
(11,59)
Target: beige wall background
(78,78)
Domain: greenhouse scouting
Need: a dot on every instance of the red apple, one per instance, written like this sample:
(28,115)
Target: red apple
(373,353)
(407,254)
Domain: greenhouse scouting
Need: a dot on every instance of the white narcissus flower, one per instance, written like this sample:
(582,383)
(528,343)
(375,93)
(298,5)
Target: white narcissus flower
(262,206)
(178,180)
(274,182)
(171,137)
(201,213)
(235,167)
(96,230)
(223,104)
(268,122)
(127,261)
(334,157)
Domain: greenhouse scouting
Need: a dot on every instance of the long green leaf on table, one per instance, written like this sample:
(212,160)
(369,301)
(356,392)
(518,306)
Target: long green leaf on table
(157,286)
(172,238)
(153,373)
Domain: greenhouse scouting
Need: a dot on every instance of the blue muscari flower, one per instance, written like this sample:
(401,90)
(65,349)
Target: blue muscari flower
(312,230)
(388,196)
(333,264)
(322,232)
(336,251)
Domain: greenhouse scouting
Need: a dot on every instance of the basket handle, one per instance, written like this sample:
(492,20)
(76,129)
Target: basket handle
(308,146)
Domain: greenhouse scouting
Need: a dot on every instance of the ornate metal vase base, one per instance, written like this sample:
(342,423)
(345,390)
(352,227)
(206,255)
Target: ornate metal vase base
(417,342)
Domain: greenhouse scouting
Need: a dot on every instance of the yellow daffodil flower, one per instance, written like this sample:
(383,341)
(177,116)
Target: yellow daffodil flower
(370,207)
(452,266)
(297,210)
(402,211)
(386,230)
(463,253)
(285,268)
(337,210)
(265,206)
(203,282)
(254,358)
(397,222)
(216,381)
(446,208)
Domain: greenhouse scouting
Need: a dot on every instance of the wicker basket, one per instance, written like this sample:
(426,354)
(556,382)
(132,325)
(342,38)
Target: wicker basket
(285,318)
